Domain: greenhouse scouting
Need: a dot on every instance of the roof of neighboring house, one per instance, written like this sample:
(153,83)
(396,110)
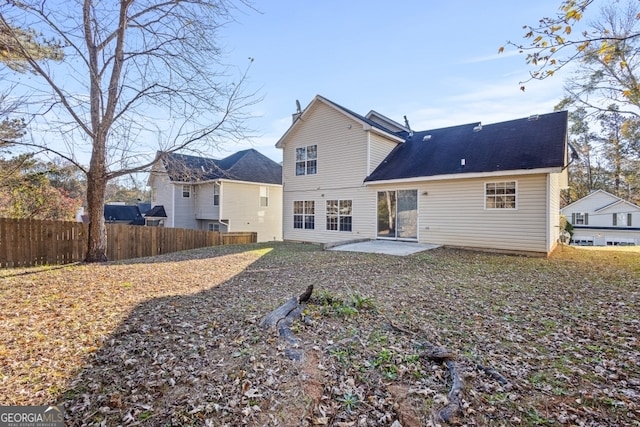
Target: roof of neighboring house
(157,212)
(529,143)
(144,207)
(129,214)
(248,165)
(609,200)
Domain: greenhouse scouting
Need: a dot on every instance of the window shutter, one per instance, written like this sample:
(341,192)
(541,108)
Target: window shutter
(586,219)
(629,216)
(573,218)
(615,219)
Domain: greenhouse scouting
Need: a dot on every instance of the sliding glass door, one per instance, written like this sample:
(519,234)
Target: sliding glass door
(398,214)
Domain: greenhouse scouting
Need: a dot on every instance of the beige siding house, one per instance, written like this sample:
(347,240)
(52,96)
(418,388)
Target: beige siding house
(242,192)
(603,219)
(349,177)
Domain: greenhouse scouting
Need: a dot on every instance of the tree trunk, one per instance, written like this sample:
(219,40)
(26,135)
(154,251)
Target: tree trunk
(97,249)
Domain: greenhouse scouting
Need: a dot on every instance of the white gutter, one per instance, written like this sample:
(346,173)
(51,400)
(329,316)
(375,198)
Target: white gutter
(466,175)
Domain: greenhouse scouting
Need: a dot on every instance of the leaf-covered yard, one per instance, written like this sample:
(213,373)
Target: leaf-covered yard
(175,340)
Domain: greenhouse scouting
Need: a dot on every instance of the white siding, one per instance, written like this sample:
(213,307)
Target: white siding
(342,151)
(600,215)
(162,189)
(452,213)
(184,208)
(240,207)
(555,182)
(363,210)
(205,209)
(380,147)
(600,207)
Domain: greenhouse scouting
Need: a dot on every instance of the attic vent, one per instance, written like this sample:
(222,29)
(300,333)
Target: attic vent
(426,137)
(534,117)
(477,128)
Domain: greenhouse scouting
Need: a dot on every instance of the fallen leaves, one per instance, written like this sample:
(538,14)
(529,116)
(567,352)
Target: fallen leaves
(176,339)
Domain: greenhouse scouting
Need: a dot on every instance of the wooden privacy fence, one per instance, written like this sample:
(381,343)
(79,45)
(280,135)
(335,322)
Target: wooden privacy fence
(26,243)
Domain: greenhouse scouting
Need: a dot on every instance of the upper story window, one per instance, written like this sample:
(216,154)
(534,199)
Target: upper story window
(579,218)
(216,194)
(264,197)
(500,195)
(307,160)
(186,191)
(622,219)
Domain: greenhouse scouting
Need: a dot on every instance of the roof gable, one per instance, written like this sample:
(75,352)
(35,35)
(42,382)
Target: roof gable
(248,165)
(523,144)
(367,124)
(615,207)
(599,197)
(605,202)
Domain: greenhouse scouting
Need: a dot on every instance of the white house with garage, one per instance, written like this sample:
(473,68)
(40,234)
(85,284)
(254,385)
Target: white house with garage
(603,219)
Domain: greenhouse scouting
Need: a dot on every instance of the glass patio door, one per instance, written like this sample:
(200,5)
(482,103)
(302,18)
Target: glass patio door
(398,214)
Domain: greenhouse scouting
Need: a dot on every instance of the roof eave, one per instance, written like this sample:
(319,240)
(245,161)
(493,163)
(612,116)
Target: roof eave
(467,175)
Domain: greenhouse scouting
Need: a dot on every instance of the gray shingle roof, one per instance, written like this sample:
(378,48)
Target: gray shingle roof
(157,212)
(123,213)
(248,165)
(528,143)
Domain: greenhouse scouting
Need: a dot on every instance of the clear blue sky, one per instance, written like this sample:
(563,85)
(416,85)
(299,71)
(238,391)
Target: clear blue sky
(436,63)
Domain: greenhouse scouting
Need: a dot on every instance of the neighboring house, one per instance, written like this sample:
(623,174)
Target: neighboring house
(493,187)
(242,192)
(123,214)
(600,219)
(155,217)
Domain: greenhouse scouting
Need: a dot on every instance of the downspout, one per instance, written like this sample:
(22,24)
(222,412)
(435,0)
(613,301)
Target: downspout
(173,206)
(548,233)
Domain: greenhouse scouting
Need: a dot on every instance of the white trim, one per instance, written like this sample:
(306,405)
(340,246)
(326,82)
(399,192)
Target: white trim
(484,195)
(368,167)
(547,213)
(189,190)
(469,175)
(173,206)
(369,128)
(209,181)
(221,203)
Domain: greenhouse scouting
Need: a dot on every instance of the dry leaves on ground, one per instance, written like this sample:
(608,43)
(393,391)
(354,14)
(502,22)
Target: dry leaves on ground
(175,340)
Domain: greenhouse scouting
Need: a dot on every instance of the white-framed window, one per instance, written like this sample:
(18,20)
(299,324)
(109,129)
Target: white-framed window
(307,160)
(500,195)
(216,194)
(264,197)
(213,226)
(339,215)
(622,219)
(304,214)
(580,218)
(186,191)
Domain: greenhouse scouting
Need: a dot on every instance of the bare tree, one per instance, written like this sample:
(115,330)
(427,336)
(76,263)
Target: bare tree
(139,77)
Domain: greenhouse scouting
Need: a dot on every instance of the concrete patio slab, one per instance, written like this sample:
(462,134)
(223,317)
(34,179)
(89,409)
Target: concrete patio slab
(387,247)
